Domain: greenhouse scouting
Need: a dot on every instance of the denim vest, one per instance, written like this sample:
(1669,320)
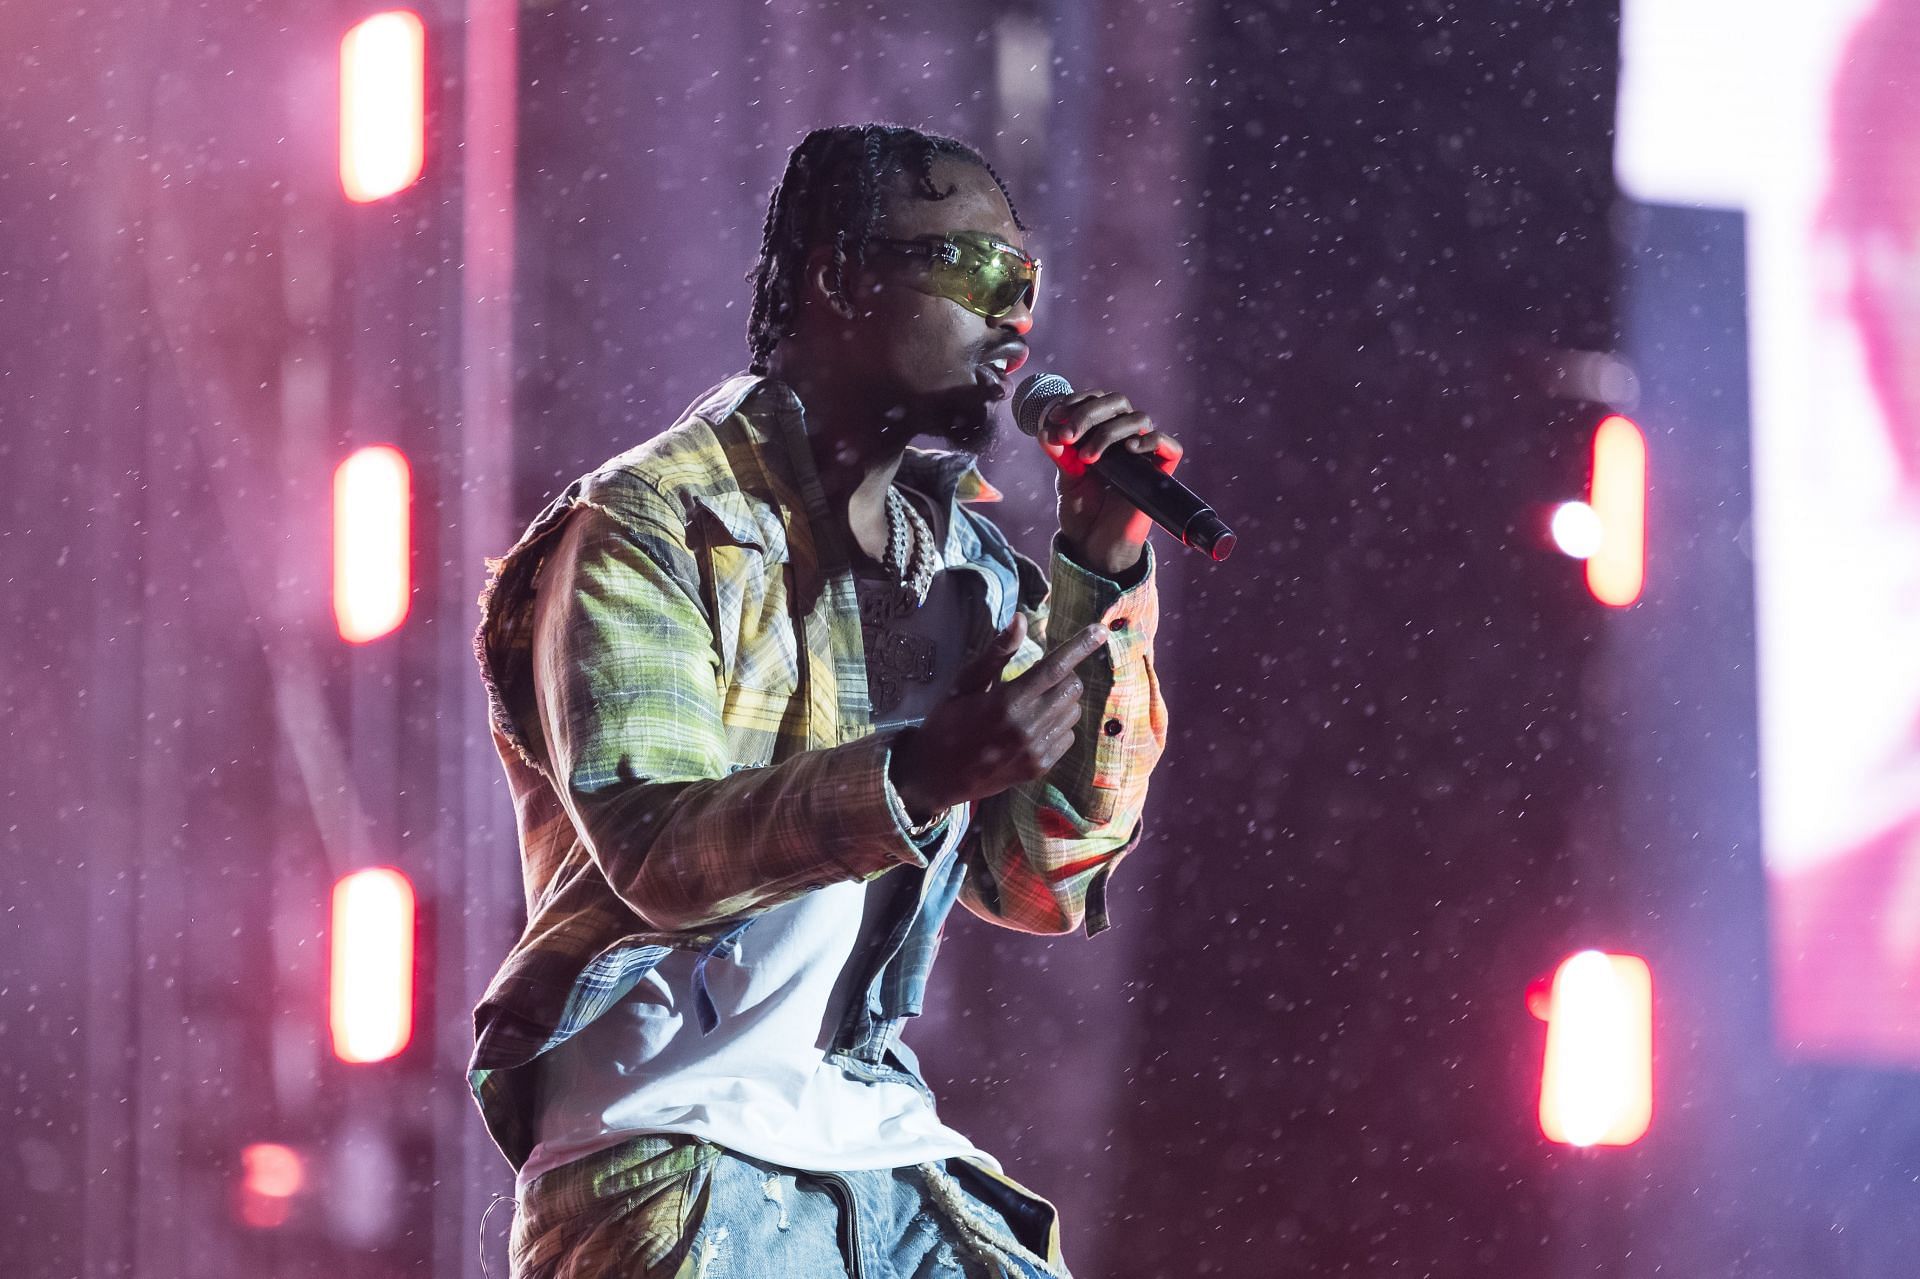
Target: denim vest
(867,1043)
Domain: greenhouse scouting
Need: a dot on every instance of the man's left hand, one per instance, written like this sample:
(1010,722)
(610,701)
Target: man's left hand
(1102,529)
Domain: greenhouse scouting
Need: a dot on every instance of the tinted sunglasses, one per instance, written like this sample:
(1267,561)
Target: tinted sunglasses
(978,270)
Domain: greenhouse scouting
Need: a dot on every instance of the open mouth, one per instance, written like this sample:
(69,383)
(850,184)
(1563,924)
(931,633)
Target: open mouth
(1005,362)
(1000,366)
(992,381)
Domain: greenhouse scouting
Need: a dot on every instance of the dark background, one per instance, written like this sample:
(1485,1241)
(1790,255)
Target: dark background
(1338,248)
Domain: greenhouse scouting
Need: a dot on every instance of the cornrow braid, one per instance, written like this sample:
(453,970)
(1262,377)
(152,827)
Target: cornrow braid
(831,194)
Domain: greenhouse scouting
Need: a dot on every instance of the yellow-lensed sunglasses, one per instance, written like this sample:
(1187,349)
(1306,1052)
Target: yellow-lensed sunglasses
(977,269)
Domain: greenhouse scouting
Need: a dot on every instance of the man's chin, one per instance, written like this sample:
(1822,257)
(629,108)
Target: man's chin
(970,423)
(980,440)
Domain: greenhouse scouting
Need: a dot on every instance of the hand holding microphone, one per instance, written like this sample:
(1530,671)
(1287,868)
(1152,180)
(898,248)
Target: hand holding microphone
(1116,474)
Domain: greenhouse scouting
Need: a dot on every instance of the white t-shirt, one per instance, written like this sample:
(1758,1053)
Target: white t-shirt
(760,1082)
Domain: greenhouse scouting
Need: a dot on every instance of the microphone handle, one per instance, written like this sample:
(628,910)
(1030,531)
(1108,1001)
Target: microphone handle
(1166,501)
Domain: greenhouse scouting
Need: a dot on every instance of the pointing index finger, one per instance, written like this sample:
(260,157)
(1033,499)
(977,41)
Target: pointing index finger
(1058,665)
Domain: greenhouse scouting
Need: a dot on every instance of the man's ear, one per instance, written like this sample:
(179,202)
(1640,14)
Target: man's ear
(816,278)
(817,283)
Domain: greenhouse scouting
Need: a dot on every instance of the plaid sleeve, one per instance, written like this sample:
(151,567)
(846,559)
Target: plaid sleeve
(1041,853)
(627,694)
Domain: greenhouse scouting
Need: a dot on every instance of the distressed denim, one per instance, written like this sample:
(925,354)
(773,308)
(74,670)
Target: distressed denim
(680,1208)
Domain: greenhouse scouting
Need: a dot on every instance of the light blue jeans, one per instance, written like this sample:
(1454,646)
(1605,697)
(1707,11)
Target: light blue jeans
(898,1223)
(678,1208)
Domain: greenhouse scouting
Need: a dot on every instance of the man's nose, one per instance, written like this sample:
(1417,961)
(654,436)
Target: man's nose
(1020,319)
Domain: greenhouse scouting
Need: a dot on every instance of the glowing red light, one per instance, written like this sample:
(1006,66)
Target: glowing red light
(383,105)
(371,997)
(1617,567)
(372,570)
(1596,1082)
(270,1176)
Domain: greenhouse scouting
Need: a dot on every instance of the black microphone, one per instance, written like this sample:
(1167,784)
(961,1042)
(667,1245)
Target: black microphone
(1135,476)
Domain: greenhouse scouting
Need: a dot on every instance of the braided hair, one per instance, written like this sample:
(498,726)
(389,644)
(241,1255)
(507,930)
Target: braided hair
(830,195)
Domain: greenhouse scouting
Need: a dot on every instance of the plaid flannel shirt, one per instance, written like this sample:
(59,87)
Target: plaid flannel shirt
(677,682)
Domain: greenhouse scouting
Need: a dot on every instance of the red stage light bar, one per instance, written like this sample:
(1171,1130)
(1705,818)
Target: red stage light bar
(1596,1081)
(370,1005)
(372,545)
(1617,568)
(383,105)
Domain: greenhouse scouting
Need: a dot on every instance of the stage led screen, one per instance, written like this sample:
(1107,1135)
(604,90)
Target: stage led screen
(1806,117)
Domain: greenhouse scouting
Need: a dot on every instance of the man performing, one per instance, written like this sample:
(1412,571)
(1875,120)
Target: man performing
(771,695)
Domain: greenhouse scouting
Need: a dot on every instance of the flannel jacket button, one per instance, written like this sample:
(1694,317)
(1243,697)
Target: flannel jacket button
(1114,727)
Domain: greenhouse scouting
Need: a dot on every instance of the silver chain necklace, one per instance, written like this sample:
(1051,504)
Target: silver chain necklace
(910,554)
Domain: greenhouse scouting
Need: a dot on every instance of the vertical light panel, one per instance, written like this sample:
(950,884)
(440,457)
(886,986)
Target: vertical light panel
(383,105)
(1596,1082)
(372,543)
(370,998)
(1617,568)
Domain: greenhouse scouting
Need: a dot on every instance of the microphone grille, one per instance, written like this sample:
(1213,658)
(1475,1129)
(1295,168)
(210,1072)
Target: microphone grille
(1031,397)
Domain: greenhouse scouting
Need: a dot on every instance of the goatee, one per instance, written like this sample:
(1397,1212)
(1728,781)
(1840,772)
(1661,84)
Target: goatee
(971,425)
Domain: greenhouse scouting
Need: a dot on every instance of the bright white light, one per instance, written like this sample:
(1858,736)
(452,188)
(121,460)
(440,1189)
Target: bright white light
(1596,1082)
(1576,529)
(1617,569)
(371,1011)
(1590,1091)
(372,569)
(383,73)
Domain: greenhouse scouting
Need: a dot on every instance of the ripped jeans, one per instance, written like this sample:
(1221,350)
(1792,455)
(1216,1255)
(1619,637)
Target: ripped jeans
(675,1207)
